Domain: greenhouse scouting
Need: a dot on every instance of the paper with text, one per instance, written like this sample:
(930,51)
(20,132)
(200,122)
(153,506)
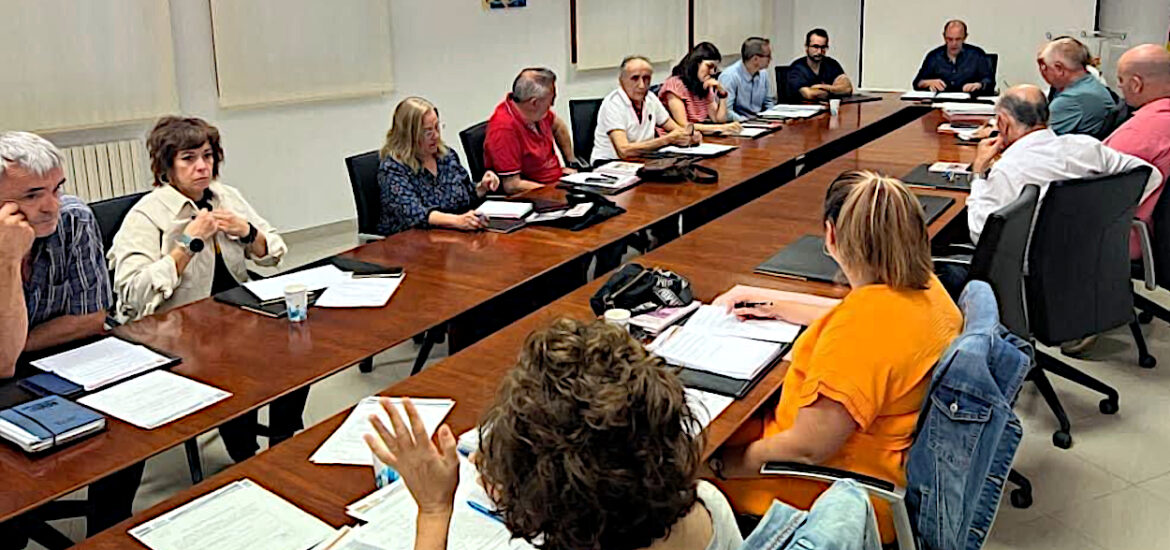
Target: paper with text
(316,278)
(102,363)
(362,292)
(719,321)
(154,399)
(346,445)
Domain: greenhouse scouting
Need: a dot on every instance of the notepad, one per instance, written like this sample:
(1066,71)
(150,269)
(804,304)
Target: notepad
(239,516)
(966,109)
(103,362)
(615,175)
(700,150)
(49,421)
(346,445)
(154,399)
(656,321)
(316,278)
(793,111)
(363,292)
(696,348)
(748,132)
(927,94)
(717,320)
(505,209)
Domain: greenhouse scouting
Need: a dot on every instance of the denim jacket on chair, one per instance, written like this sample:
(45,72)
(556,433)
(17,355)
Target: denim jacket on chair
(842,518)
(968,433)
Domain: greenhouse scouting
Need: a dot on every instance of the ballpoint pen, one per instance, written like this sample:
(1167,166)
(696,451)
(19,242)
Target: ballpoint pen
(741,305)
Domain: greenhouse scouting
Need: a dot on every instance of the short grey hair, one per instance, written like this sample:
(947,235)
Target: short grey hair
(630,58)
(752,47)
(30,152)
(1031,113)
(533,82)
(1071,52)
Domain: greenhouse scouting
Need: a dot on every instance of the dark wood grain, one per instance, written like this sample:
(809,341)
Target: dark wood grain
(714,257)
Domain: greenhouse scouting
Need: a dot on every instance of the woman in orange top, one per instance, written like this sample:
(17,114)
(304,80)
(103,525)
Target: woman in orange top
(860,373)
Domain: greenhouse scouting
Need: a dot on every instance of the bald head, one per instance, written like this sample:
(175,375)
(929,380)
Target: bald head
(1021,110)
(1143,74)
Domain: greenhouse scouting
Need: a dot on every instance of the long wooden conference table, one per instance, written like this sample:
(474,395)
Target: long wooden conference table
(714,257)
(450,278)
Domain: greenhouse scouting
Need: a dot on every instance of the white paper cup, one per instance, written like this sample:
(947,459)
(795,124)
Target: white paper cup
(296,300)
(618,317)
(834,106)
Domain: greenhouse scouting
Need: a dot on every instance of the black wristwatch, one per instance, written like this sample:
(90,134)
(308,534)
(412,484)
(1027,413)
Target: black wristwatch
(193,245)
(251,236)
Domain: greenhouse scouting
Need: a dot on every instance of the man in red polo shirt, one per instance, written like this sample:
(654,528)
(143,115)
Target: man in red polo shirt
(521,132)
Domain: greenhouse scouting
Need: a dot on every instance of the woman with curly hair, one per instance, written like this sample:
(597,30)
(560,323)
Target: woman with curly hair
(590,444)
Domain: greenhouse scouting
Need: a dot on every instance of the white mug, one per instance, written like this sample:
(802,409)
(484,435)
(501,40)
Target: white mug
(834,106)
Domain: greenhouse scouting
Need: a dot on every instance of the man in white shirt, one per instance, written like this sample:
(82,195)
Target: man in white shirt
(1034,154)
(629,118)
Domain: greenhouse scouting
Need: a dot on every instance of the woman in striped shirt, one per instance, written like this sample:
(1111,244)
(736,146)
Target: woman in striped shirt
(693,94)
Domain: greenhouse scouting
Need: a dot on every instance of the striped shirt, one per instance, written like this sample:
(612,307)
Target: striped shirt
(698,108)
(68,274)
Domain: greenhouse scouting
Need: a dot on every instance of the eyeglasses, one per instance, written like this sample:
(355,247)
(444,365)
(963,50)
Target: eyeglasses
(433,132)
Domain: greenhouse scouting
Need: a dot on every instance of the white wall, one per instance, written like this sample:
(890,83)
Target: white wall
(288,160)
(1144,20)
(841,18)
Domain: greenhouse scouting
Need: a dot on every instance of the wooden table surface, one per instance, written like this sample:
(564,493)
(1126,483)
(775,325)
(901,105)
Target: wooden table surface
(714,257)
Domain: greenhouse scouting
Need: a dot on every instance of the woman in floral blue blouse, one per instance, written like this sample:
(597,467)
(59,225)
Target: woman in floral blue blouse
(423,185)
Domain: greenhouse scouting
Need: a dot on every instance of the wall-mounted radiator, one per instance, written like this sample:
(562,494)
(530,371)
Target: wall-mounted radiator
(106,170)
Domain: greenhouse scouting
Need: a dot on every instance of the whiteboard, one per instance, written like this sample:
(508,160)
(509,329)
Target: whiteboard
(899,33)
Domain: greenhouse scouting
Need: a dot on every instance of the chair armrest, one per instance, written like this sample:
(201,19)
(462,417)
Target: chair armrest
(961,259)
(894,495)
(1147,253)
(364,238)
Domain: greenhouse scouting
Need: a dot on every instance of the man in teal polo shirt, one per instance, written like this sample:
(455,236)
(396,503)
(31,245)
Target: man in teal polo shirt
(1080,104)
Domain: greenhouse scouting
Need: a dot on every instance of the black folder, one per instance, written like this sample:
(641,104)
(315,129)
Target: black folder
(804,260)
(723,385)
(856,98)
(244,299)
(934,206)
(922,176)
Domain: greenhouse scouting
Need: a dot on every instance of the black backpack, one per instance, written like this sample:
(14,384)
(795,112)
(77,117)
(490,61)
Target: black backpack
(641,289)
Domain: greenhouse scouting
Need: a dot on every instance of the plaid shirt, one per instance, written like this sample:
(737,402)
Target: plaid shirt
(69,274)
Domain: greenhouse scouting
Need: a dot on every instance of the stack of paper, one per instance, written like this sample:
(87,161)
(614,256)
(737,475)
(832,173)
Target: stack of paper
(390,514)
(700,150)
(950,168)
(369,291)
(578,210)
(926,94)
(707,406)
(967,109)
(793,111)
(696,348)
(154,399)
(317,278)
(102,363)
(346,445)
(509,210)
(748,132)
(240,516)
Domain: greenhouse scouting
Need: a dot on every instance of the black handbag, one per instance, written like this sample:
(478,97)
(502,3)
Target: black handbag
(677,169)
(641,289)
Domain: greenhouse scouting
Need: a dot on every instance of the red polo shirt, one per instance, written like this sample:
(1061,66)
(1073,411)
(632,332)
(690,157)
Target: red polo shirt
(514,146)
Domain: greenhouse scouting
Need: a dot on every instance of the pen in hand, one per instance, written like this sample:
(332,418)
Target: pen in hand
(743,305)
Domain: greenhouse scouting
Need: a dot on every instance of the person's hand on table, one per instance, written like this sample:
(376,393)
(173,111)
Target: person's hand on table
(489,183)
(431,472)
(16,234)
(566,170)
(732,128)
(985,152)
(468,221)
(973,87)
(764,309)
(933,84)
(679,137)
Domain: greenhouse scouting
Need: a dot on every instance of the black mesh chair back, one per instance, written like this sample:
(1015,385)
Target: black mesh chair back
(583,115)
(783,94)
(110,213)
(367,196)
(999,258)
(472,139)
(1078,281)
(1160,239)
(993,60)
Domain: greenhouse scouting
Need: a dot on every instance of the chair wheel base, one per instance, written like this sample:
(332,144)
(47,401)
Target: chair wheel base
(1108,406)
(1020,498)
(1145,317)
(1147,362)
(1062,439)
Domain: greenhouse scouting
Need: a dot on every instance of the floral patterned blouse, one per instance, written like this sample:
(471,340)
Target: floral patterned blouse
(409,197)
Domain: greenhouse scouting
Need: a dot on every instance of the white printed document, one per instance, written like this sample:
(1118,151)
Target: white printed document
(154,399)
(707,406)
(240,516)
(716,320)
(372,291)
(793,111)
(748,132)
(696,348)
(346,446)
(317,278)
(700,150)
(101,363)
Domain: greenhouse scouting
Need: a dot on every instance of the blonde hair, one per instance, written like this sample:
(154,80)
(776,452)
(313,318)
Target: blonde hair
(406,131)
(881,230)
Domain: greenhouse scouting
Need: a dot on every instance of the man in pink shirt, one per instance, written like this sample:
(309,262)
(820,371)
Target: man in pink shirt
(1143,75)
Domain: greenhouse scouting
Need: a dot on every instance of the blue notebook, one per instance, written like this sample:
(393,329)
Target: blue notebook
(48,422)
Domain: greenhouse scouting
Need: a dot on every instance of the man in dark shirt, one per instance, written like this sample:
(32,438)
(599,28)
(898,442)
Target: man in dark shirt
(956,66)
(817,76)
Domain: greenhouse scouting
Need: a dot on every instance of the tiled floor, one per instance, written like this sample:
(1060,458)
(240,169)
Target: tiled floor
(1110,491)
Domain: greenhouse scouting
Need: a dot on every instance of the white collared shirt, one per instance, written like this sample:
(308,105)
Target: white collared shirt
(617,113)
(1040,158)
(146,278)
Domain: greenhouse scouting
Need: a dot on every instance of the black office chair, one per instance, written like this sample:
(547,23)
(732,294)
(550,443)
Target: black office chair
(583,115)
(110,213)
(1115,117)
(783,94)
(367,196)
(1154,267)
(1078,275)
(472,139)
(655,89)
(993,60)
